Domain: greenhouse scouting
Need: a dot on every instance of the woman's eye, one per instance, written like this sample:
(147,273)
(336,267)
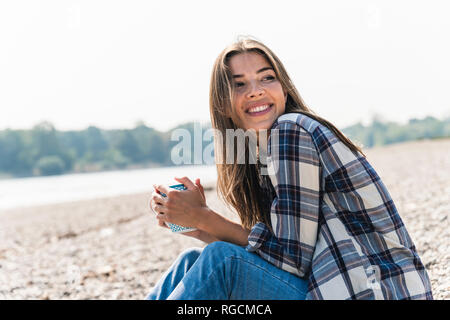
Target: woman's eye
(242,84)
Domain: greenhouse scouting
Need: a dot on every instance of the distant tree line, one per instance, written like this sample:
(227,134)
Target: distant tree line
(45,151)
(380,133)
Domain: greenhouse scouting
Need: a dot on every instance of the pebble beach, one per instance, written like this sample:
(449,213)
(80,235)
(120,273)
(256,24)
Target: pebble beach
(113,248)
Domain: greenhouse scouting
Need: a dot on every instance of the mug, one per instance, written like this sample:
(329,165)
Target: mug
(174,227)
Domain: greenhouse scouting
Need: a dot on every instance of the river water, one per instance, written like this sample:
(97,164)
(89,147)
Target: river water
(25,192)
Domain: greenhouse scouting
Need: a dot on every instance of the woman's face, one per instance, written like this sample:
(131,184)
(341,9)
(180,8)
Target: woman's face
(259,98)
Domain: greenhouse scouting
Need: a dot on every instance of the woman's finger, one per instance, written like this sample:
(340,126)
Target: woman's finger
(198,184)
(187,182)
(162,188)
(161,217)
(158,199)
(159,209)
(162,224)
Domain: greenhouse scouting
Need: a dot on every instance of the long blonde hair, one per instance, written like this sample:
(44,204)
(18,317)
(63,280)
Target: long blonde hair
(239,185)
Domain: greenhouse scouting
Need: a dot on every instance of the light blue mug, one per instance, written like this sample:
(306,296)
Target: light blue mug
(174,227)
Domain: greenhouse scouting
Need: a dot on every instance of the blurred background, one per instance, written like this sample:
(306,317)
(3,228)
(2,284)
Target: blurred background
(90,92)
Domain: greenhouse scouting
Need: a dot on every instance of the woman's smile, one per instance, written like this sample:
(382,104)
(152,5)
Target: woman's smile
(259,110)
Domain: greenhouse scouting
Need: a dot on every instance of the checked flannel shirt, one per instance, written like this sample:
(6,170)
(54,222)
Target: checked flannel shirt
(333,220)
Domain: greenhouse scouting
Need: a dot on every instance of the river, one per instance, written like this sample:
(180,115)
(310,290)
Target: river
(25,192)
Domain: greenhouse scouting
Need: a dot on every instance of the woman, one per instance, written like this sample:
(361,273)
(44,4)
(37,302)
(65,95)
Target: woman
(321,225)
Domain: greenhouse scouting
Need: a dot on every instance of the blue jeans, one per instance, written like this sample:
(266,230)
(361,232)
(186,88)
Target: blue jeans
(225,271)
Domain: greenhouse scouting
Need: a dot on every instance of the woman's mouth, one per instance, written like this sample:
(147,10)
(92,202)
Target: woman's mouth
(259,110)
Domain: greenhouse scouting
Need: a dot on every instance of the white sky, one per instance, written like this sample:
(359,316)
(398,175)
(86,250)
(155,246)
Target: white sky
(112,63)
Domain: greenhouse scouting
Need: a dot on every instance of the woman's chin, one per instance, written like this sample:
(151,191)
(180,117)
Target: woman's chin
(264,125)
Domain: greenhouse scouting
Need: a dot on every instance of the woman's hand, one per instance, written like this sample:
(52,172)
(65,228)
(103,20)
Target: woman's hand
(153,203)
(181,207)
(188,208)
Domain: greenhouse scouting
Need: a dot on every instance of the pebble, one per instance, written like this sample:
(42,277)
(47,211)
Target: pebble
(106,232)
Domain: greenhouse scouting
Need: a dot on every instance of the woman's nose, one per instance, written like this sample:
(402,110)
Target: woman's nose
(255,91)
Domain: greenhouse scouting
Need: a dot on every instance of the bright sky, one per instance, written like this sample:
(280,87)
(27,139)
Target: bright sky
(113,63)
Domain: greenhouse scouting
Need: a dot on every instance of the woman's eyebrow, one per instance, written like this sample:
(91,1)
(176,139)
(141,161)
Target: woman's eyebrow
(259,71)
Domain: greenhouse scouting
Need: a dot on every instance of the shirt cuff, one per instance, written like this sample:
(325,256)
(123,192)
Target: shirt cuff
(258,235)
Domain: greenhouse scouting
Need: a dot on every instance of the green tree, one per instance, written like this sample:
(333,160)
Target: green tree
(115,159)
(128,146)
(50,165)
(13,151)
(74,141)
(44,142)
(96,144)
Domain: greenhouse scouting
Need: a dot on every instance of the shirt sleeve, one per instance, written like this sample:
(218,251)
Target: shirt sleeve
(294,170)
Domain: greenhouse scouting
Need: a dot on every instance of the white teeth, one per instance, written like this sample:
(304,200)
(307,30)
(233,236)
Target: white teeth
(258,109)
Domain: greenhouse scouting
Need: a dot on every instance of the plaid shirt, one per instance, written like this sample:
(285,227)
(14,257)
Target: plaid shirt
(333,220)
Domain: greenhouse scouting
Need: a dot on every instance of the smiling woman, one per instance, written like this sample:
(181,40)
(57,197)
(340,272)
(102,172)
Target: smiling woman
(322,225)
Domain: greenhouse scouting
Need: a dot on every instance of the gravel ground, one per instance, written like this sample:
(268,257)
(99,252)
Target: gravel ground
(112,248)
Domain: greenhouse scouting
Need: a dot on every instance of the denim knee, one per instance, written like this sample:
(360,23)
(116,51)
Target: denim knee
(189,256)
(221,250)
